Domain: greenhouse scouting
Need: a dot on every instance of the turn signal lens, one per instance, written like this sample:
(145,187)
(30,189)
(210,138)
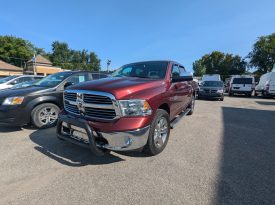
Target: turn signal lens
(13,101)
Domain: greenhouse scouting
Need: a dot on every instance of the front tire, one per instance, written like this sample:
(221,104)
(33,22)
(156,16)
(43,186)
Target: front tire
(159,133)
(45,115)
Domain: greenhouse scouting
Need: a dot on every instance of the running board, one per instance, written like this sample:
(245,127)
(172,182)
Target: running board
(178,118)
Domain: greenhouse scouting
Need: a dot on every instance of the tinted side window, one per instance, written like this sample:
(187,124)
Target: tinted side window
(103,76)
(16,81)
(26,79)
(95,76)
(175,71)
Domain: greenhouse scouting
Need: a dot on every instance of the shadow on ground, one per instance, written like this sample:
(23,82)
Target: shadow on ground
(247,166)
(265,102)
(65,152)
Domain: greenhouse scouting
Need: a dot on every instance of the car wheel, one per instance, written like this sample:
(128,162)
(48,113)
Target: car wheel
(222,98)
(230,93)
(45,115)
(159,133)
(192,106)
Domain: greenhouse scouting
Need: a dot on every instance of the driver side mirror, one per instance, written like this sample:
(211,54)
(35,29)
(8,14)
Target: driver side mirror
(183,77)
(67,84)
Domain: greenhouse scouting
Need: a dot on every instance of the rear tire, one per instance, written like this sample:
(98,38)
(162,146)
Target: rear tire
(45,115)
(159,133)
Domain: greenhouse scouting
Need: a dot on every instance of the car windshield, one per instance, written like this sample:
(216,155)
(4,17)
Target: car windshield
(212,84)
(24,84)
(154,70)
(4,80)
(242,81)
(52,80)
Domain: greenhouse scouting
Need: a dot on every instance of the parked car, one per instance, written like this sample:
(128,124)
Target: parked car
(134,109)
(10,81)
(266,85)
(41,102)
(242,84)
(211,89)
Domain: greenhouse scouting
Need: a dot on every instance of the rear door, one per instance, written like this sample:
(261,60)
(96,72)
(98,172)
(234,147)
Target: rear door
(186,89)
(176,88)
(242,84)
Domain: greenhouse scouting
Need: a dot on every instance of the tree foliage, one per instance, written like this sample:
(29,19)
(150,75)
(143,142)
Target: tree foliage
(262,56)
(17,51)
(219,63)
(71,59)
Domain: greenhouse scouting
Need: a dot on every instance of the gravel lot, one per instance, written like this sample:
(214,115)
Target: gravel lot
(223,154)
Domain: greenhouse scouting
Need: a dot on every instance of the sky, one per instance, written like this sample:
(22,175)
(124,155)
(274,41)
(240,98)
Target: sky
(126,31)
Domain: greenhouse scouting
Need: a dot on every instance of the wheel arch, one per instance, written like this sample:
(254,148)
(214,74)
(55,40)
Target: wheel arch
(165,106)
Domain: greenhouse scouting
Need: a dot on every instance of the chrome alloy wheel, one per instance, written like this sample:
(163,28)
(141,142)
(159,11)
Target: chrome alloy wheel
(47,115)
(161,131)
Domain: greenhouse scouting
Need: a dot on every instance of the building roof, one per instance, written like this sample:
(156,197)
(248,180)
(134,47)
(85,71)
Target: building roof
(9,67)
(41,60)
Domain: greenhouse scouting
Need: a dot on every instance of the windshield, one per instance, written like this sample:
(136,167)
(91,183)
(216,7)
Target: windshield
(212,84)
(24,84)
(4,80)
(53,80)
(242,81)
(154,70)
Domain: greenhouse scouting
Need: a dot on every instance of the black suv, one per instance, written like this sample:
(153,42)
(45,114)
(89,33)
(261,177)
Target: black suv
(41,102)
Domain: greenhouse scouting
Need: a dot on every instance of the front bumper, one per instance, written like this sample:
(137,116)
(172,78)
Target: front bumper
(14,115)
(95,140)
(240,92)
(210,95)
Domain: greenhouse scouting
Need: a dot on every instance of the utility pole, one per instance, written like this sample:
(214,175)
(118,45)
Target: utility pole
(108,64)
(34,64)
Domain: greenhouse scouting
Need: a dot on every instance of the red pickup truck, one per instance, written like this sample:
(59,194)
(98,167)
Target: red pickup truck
(134,108)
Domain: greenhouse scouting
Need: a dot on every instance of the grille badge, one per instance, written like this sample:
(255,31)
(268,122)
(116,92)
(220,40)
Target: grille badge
(79,103)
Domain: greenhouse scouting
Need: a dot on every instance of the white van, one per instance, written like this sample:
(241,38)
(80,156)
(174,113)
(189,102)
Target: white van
(10,81)
(242,84)
(211,77)
(266,86)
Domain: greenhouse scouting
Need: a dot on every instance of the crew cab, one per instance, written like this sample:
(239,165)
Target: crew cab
(40,102)
(133,109)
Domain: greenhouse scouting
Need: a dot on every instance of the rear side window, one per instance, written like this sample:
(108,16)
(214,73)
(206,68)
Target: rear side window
(242,81)
(95,76)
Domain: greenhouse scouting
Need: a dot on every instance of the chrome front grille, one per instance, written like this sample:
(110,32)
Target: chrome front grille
(91,104)
(209,91)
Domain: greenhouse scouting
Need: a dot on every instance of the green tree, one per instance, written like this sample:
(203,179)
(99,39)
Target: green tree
(220,63)
(262,56)
(17,51)
(199,68)
(71,59)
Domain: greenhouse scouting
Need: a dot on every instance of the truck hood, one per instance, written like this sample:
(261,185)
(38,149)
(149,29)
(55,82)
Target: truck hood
(32,90)
(124,87)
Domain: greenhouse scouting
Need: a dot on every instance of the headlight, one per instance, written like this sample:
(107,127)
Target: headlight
(13,101)
(135,108)
(220,91)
